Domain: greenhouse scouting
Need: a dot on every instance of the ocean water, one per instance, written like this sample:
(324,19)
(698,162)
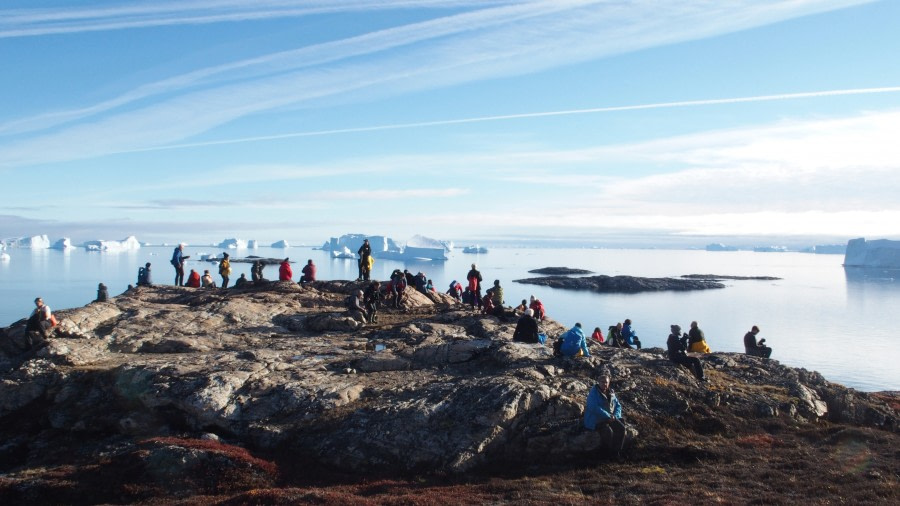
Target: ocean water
(819,316)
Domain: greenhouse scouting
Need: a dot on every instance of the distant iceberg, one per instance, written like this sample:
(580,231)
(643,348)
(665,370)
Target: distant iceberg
(130,243)
(33,242)
(719,247)
(770,249)
(475,249)
(63,244)
(881,253)
(343,253)
(253,244)
(233,244)
(418,247)
(281,244)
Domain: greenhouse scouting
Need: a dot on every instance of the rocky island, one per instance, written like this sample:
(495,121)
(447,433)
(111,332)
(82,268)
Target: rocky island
(621,284)
(271,394)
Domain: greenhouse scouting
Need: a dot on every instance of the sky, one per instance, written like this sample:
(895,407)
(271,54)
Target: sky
(613,122)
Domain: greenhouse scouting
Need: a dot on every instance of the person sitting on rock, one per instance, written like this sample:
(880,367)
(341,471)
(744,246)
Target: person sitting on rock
(241,281)
(420,282)
(256,271)
(206,281)
(522,307)
(370,298)
(676,344)
(487,302)
(309,272)
(355,306)
(102,293)
(597,335)
(497,292)
(696,340)
(573,343)
(193,279)
(455,291)
(631,338)
(526,328)
(614,336)
(144,276)
(754,347)
(285,273)
(538,307)
(603,413)
(41,320)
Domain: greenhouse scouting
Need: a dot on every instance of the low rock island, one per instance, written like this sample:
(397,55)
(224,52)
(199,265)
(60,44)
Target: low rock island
(271,394)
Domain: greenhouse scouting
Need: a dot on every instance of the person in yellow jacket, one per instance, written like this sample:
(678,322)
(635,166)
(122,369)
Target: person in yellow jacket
(225,269)
(696,340)
(367,267)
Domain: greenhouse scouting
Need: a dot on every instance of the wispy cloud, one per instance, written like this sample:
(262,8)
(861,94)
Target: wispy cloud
(490,42)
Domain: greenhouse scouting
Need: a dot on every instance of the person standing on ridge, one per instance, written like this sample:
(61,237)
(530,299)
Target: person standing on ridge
(225,269)
(364,252)
(178,258)
(475,279)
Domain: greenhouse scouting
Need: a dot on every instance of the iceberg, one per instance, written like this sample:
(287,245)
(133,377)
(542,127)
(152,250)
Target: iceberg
(421,247)
(33,242)
(63,244)
(717,246)
(475,249)
(418,247)
(130,243)
(233,244)
(343,253)
(281,244)
(882,253)
(253,244)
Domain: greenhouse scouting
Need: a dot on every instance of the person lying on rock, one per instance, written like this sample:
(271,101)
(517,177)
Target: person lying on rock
(754,347)
(603,413)
(696,340)
(676,343)
(573,343)
(631,338)
(527,328)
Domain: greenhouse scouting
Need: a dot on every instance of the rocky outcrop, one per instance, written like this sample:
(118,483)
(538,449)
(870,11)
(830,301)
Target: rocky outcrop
(282,371)
(622,284)
(559,271)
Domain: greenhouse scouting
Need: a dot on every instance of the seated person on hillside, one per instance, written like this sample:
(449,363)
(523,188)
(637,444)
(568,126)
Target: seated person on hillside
(41,319)
(526,328)
(614,336)
(241,281)
(603,413)
(285,273)
(455,291)
(206,281)
(309,272)
(754,347)
(144,277)
(193,279)
(487,302)
(520,309)
(631,338)
(696,340)
(573,343)
(355,306)
(102,293)
(538,307)
(597,335)
(676,345)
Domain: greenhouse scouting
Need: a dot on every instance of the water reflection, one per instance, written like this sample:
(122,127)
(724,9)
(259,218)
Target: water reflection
(872,275)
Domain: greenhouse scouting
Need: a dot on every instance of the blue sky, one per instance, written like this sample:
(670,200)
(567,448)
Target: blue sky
(619,122)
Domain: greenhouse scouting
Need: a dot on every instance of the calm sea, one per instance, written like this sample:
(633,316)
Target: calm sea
(818,316)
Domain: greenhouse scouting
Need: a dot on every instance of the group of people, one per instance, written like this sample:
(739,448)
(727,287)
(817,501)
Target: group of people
(195,280)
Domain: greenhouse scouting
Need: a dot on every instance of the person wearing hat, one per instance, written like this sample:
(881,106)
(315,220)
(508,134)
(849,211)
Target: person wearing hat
(527,328)
(603,413)
(677,344)
(225,269)
(284,271)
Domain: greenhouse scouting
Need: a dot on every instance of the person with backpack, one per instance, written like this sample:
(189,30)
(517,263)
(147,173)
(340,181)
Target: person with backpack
(676,344)
(455,291)
(475,279)
(144,277)
(398,286)
(573,343)
(364,252)
(41,319)
(225,269)
(614,336)
(603,413)
(178,258)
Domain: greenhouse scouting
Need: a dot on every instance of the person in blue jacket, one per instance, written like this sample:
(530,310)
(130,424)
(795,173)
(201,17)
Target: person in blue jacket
(573,343)
(603,413)
(631,338)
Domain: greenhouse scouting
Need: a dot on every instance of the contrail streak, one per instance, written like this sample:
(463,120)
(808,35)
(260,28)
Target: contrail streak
(595,110)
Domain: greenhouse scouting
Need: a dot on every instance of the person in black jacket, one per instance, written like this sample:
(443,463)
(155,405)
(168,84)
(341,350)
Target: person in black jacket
(370,298)
(364,252)
(677,344)
(526,328)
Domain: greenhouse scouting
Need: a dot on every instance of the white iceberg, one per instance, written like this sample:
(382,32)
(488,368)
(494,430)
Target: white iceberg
(63,244)
(130,243)
(233,244)
(253,244)
(343,253)
(882,253)
(421,247)
(281,244)
(33,242)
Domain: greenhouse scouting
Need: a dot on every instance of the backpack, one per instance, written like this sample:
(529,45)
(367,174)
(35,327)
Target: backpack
(557,347)
(142,275)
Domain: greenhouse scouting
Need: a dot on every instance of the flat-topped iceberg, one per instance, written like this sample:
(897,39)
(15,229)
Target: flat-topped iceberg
(130,243)
(252,244)
(33,242)
(882,253)
(233,244)
(63,244)
(281,244)
(418,247)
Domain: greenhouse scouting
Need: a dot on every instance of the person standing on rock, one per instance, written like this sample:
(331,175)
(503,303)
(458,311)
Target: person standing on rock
(603,413)
(754,347)
(370,298)
(676,344)
(364,252)
(309,272)
(475,279)
(527,328)
(696,340)
(225,269)
(629,335)
(178,258)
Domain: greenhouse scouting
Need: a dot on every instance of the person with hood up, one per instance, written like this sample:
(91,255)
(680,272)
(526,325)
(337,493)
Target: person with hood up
(603,413)
(284,271)
(573,343)
(225,269)
(597,335)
